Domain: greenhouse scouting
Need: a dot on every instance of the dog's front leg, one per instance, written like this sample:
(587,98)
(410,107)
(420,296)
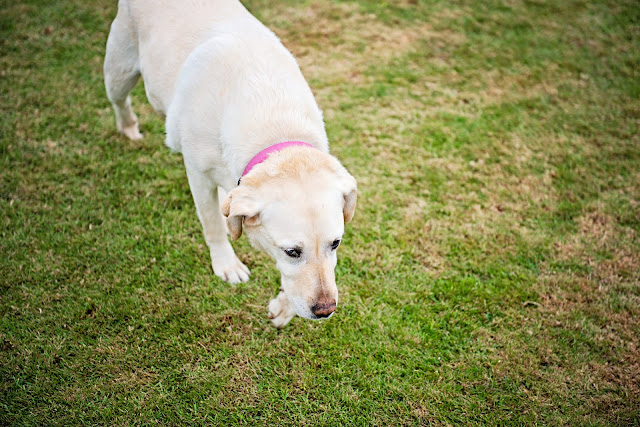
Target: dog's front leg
(224,261)
(280,310)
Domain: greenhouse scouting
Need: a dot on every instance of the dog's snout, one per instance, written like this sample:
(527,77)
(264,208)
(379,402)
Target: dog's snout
(324,307)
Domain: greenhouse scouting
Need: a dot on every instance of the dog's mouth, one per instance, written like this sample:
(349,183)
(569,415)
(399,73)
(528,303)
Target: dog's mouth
(311,316)
(321,317)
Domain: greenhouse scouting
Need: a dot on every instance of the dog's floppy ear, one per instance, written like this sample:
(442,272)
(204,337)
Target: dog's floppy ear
(239,206)
(350,194)
(349,208)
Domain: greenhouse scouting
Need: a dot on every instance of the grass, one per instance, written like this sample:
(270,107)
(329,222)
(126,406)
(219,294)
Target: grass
(491,275)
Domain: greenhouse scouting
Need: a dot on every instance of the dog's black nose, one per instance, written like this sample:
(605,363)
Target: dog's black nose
(324,307)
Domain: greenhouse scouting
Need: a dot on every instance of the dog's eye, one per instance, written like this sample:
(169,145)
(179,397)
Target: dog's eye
(335,244)
(293,252)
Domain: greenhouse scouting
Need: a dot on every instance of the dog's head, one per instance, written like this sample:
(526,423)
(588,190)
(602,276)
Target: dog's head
(294,207)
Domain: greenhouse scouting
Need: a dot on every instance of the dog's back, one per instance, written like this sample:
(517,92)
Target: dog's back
(168,31)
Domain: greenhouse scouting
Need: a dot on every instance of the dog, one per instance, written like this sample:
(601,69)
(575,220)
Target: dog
(238,108)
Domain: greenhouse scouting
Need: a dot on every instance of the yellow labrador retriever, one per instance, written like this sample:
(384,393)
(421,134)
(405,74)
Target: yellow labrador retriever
(239,110)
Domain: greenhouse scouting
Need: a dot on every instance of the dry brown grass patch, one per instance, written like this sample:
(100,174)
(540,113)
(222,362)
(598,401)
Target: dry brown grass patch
(340,40)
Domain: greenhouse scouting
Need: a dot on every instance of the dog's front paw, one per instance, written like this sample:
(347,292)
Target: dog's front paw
(230,269)
(280,311)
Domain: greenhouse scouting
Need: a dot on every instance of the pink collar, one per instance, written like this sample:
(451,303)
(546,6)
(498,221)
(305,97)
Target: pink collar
(262,156)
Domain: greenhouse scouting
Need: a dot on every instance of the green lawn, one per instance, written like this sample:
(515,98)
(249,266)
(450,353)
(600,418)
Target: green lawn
(491,275)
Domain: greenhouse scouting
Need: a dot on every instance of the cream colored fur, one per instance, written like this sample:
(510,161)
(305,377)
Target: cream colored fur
(229,89)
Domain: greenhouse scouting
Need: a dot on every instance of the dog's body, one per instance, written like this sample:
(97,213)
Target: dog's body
(230,89)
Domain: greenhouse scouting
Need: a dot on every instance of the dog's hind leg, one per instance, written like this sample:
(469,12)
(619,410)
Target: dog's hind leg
(224,261)
(122,71)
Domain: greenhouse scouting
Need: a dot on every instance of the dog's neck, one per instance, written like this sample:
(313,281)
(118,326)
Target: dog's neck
(264,154)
